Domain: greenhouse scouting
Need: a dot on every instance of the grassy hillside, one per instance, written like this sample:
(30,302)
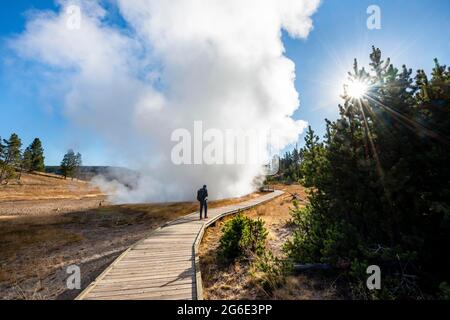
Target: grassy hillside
(46,186)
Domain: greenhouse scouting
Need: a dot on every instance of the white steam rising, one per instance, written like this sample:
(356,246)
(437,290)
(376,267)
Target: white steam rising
(166,65)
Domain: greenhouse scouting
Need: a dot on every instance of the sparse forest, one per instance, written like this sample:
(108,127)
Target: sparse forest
(14,161)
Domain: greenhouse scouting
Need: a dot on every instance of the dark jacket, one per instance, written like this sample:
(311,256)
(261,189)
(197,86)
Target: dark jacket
(202,194)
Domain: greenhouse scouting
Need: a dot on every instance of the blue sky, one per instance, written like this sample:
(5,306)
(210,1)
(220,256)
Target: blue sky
(413,32)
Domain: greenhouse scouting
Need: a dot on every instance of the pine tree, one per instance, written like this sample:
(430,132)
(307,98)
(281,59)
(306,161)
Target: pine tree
(27,160)
(37,156)
(3,165)
(70,164)
(2,151)
(78,160)
(11,158)
(66,164)
(313,157)
(13,152)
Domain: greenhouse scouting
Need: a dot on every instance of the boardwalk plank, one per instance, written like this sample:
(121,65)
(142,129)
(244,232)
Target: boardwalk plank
(142,283)
(113,291)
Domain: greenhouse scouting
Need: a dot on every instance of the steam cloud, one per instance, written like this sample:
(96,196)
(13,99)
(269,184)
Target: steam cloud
(166,65)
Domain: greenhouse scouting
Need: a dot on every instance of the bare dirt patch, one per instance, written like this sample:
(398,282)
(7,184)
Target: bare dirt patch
(235,281)
(38,194)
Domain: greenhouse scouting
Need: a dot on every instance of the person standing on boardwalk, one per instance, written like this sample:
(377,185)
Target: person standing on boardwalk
(202,197)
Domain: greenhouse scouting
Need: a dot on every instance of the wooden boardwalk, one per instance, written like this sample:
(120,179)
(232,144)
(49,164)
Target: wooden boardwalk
(165,264)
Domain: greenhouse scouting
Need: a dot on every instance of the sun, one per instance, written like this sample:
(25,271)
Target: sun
(356,89)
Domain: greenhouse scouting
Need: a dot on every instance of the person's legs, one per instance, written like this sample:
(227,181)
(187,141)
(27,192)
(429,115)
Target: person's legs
(206,209)
(201,209)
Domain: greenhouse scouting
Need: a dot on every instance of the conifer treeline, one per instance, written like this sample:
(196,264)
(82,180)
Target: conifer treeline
(14,161)
(380,184)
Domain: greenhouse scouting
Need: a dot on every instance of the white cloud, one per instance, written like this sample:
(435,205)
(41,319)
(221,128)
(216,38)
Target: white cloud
(220,61)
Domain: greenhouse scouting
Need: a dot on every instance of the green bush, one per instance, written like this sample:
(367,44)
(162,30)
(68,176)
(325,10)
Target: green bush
(242,237)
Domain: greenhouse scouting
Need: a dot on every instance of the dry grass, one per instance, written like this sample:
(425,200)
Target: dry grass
(40,187)
(28,243)
(238,281)
(35,249)
(307,286)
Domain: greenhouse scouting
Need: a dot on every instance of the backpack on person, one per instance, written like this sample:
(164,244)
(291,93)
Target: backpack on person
(200,195)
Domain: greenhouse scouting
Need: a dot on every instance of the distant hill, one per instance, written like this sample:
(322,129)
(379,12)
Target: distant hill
(84,173)
(123,175)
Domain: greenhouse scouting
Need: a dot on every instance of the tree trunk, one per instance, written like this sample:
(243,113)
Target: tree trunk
(311,266)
